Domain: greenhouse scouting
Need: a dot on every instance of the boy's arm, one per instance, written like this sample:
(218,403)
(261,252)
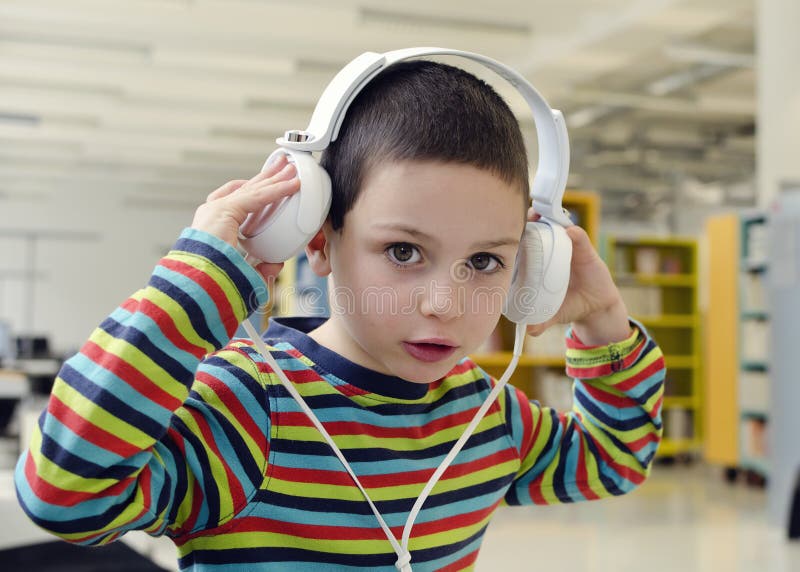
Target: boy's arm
(135,435)
(606,444)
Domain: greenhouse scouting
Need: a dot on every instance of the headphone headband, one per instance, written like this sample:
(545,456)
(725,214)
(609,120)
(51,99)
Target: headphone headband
(550,179)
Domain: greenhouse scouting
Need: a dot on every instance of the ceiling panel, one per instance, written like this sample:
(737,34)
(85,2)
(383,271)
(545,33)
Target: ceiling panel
(181,95)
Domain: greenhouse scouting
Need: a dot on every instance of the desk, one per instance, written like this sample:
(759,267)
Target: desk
(13,384)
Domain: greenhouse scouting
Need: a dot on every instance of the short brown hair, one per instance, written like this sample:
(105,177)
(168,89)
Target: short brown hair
(423,110)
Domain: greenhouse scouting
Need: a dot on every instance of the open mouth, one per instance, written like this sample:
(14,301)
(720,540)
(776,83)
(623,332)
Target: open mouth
(429,352)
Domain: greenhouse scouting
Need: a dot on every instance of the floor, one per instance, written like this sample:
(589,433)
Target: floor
(683,519)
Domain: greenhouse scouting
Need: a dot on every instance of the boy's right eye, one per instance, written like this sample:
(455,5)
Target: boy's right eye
(403,254)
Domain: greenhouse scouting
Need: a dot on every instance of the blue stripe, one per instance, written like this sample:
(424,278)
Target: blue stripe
(93,373)
(141,340)
(367,454)
(247,281)
(104,399)
(385,507)
(197,459)
(228,440)
(593,409)
(78,464)
(152,330)
(200,309)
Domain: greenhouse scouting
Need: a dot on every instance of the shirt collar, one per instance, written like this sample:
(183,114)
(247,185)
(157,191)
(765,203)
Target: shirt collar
(294,331)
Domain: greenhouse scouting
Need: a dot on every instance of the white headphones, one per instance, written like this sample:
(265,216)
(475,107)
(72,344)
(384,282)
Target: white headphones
(541,270)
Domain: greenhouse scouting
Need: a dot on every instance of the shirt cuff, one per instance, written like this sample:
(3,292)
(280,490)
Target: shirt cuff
(230,261)
(588,362)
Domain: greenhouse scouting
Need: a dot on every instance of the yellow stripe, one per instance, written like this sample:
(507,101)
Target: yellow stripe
(352,493)
(212,399)
(180,317)
(217,467)
(141,362)
(361,440)
(93,413)
(205,266)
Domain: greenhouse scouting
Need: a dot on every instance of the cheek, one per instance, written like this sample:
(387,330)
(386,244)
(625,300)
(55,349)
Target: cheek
(487,299)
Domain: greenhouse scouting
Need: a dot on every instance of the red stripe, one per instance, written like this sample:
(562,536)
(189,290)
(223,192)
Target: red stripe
(197,503)
(52,494)
(207,283)
(89,431)
(616,401)
(450,523)
(463,367)
(234,405)
(535,490)
(170,330)
(581,473)
(621,470)
(419,477)
(636,446)
(233,484)
(130,375)
(461,563)
(633,381)
(318,531)
(300,419)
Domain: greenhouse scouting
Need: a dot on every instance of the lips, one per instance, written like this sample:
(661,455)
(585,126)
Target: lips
(430,350)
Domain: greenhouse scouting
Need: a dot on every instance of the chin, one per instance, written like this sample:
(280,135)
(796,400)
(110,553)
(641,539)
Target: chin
(428,374)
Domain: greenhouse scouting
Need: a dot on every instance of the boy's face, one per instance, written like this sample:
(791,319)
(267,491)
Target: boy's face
(421,267)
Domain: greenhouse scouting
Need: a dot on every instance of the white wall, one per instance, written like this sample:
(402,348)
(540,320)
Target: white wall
(778,91)
(82,281)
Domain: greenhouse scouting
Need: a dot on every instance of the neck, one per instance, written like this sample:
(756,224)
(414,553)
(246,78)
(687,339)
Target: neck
(333,335)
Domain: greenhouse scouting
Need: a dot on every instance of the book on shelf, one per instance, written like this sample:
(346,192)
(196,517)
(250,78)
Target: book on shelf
(642,300)
(755,341)
(754,391)
(549,343)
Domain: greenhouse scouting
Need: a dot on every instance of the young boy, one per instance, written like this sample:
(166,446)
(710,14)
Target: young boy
(163,423)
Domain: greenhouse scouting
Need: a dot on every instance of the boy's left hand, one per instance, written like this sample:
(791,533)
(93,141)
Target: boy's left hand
(593,303)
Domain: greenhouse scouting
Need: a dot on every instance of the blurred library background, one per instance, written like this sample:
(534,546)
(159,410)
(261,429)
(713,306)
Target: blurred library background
(118,118)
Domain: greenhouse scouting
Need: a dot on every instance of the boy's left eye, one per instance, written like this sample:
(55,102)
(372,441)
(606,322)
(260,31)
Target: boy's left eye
(402,254)
(484,262)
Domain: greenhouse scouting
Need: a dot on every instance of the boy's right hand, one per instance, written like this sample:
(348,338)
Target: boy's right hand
(227,208)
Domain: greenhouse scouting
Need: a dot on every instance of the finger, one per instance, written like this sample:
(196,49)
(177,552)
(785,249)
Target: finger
(255,199)
(533,216)
(225,190)
(539,329)
(287,172)
(275,167)
(269,270)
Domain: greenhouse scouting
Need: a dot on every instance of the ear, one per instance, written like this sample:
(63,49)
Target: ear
(318,251)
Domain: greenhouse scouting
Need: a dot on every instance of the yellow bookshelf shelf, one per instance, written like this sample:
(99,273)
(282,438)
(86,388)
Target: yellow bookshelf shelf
(678,280)
(669,321)
(502,359)
(687,402)
(672,447)
(658,280)
(680,362)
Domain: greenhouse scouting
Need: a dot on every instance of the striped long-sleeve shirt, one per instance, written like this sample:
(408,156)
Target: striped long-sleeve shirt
(162,423)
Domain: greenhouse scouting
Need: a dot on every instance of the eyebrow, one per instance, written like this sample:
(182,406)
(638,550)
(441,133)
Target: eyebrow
(420,235)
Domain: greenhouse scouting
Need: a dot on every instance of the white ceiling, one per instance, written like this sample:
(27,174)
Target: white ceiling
(164,100)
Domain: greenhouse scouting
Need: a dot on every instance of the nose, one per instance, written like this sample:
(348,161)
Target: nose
(444,300)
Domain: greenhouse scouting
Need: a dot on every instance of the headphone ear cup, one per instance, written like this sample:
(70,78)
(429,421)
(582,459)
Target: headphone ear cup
(281,230)
(541,274)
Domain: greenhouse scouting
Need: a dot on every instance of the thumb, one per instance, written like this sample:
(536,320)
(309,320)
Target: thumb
(539,329)
(269,271)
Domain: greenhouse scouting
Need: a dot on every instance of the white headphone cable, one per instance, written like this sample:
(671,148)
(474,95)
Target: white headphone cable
(403,563)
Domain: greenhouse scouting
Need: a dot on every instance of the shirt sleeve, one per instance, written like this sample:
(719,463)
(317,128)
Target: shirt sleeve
(605,445)
(141,422)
